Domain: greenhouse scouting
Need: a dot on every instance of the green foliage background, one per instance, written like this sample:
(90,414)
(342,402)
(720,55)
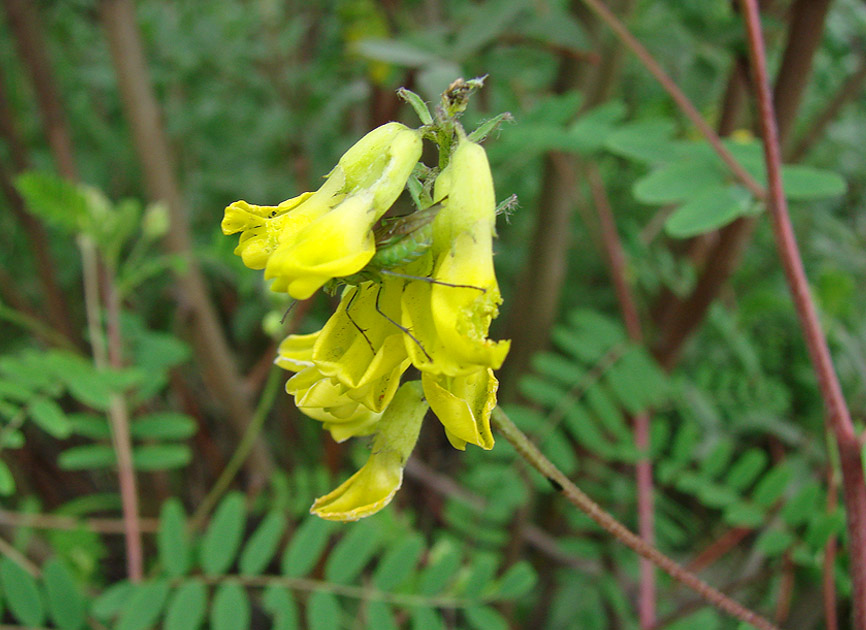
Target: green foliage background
(260,98)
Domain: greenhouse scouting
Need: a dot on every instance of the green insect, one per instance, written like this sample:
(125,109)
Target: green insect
(399,241)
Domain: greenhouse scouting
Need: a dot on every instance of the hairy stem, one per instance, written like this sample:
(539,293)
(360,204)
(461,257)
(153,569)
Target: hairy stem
(574,495)
(854,485)
(641,422)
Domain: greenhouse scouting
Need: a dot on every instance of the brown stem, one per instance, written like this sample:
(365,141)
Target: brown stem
(796,68)
(854,485)
(850,90)
(529,452)
(58,310)
(829,569)
(24,22)
(643,467)
(734,100)
(142,111)
(120,437)
(718,548)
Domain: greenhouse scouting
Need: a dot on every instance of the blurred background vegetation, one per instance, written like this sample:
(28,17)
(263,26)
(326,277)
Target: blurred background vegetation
(127,127)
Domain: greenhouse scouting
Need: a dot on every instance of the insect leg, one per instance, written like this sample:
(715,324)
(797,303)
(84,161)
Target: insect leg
(397,274)
(403,328)
(288,310)
(355,324)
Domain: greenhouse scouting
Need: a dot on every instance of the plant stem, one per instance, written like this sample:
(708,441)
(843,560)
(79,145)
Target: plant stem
(641,422)
(120,437)
(526,449)
(854,485)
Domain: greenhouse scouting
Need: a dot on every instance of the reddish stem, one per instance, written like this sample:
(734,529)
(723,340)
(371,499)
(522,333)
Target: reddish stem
(643,467)
(854,486)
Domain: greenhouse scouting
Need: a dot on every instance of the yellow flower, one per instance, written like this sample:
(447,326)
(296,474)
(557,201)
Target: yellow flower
(327,400)
(463,405)
(368,363)
(308,240)
(372,488)
(451,323)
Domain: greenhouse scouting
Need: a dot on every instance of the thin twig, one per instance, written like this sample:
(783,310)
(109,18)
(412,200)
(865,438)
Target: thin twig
(55,521)
(854,485)
(606,521)
(641,422)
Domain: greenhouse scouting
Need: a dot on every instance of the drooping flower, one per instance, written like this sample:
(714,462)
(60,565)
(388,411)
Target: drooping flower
(463,405)
(308,240)
(451,316)
(372,488)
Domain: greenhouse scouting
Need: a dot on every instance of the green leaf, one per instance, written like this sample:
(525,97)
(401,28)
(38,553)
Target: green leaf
(262,545)
(482,572)
(323,611)
(801,508)
(223,535)
(88,456)
(485,618)
(804,182)
(746,469)
(589,132)
(305,547)
(821,527)
(112,600)
(277,601)
(187,608)
(145,606)
(717,460)
(426,619)
(708,210)
(161,456)
(644,141)
(90,426)
(172,539)
(230,609)
(167,425)
(774,541)
(380,616)
(744,515)
(678,181)
(22,593)
(50,417)
(54,199)
(772,485)
(396,52)
(398,563)
(443,567)
(7,481)
(516,582)
(352,553)
(66,604)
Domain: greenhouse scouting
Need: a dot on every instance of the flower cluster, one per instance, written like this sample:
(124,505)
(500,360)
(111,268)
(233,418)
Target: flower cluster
(431,307)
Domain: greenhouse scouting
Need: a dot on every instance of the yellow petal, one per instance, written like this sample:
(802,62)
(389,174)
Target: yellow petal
(296,352)
(338,243)
(463,405)
(372,488)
